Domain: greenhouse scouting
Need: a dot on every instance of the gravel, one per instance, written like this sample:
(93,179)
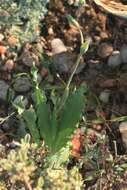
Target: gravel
(4,87)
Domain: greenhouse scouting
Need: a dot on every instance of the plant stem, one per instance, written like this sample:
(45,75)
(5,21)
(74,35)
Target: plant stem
(74,71)
(81,36)
(66,92)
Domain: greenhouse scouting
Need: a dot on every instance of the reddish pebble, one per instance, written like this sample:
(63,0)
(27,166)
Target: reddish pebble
(13,41)
(44,72)
(98,127)
(9,65)
(109,83)
(3,50)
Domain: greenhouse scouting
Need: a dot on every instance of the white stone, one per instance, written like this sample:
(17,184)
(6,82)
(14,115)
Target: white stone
(104,96)
(115,59)
(57,46)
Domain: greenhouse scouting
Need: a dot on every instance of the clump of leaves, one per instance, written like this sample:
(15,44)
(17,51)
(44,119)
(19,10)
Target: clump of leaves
(22,18)
(54,125)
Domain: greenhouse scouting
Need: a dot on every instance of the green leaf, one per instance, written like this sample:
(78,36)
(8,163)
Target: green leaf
(30,118)
(70,116)
(53,124)
(34,72)
(89,178)
(84,47)
(39,94)
(43,114)
(81,2)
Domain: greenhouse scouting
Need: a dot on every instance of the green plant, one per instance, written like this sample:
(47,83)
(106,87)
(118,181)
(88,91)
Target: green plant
(56,125)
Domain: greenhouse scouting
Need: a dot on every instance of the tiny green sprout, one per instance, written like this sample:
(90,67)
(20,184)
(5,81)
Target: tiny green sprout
(84,47)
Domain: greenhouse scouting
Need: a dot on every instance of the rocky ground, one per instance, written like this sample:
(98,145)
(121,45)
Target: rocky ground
(103,69)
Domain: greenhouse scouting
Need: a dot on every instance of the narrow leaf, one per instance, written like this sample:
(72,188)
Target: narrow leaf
(70,117)
(30,118)
(84,47)
(53,124)
(43,115)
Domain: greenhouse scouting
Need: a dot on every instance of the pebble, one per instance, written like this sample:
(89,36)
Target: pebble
(9,65)
(57,46)
(109,83)
(105,50)
(65,63)
(123,131)
(6,126)
(21,99)
(115,59)
(63,60)
(1,37)
(4,87)
(44,72)
(22,84)
(123,53)
(104,96)
(103,35)
(28,59)
(1,132)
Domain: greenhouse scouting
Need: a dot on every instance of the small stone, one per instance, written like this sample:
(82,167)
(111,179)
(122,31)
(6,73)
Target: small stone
(58,46)
(21,99)
(22,84)
(29,58)
(1,131)
(97,39)
(123,53)
(104,96)
(13,41)
(44,72)
(9,65)
(4,87)
(62,62)
(109,83)
(1,37)
(3,50)
(50,31)
(104,35)
(115,59)
(105,50)
(6,126)
(65,62)
(123,131)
